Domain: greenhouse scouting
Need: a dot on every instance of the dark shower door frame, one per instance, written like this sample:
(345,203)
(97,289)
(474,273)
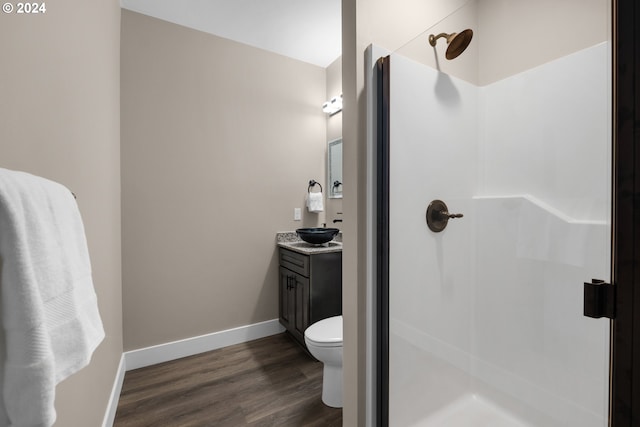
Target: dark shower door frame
(625,328)
(624,408)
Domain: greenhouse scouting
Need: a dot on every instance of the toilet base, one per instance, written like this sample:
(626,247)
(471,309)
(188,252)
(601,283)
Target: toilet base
(332,386)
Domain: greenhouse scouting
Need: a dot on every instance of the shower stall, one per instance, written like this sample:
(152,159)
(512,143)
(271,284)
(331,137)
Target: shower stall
(493,190)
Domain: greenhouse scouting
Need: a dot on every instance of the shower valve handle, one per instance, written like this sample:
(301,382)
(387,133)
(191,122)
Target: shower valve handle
(450,216)
(438,216)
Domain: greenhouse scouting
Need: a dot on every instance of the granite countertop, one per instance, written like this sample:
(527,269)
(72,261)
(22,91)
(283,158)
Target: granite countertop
(290,240)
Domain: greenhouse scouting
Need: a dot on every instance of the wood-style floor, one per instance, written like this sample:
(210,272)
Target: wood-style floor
(266,382)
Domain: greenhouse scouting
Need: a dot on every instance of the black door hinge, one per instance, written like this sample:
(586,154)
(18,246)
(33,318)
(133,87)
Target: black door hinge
(599,299)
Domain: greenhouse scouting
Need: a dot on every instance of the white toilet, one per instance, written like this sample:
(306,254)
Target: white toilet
(324,341)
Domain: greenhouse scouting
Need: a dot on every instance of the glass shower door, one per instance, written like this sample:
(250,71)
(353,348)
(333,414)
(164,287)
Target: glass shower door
(486,324)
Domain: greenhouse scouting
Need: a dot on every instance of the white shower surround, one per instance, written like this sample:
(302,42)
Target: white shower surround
(492,306)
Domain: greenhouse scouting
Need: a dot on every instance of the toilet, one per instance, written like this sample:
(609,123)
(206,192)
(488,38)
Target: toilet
(324,341)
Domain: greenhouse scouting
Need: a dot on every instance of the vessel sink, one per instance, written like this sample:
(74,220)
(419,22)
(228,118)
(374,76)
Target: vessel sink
(317,235)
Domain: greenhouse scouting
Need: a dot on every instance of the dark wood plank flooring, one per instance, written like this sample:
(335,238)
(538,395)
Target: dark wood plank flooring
(266,382)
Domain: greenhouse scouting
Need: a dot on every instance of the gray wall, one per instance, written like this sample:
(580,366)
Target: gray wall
(219,141)
(60,118)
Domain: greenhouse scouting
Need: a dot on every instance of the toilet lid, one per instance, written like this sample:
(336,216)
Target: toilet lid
(326,332)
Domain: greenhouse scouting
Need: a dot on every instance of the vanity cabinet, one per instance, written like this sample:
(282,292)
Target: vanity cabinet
(310,289)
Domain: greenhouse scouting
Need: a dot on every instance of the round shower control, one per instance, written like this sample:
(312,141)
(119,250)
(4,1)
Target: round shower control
(438,216)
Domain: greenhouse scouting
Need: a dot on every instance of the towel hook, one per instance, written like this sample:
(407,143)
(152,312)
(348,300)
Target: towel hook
(312,183)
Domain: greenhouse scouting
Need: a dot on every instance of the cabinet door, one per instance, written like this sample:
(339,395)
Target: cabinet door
(287,298)
(294,303)
(301,320)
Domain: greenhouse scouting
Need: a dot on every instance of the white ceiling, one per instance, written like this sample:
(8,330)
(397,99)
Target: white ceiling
(307,30)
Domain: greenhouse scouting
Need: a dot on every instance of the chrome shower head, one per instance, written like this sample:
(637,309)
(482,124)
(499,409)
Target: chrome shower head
(457,42)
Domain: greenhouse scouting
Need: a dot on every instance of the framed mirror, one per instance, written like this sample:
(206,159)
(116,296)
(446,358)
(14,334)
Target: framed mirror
(334,169)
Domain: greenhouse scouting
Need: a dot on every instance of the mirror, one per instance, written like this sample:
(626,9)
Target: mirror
(334,169)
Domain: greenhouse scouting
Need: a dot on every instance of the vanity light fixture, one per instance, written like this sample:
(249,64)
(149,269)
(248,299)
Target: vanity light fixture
(333,106)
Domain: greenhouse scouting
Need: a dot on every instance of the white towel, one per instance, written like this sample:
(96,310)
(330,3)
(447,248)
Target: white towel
(50,315)
(314,202)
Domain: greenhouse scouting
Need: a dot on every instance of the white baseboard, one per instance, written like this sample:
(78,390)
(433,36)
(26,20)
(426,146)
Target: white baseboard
(175,350)
(110,415)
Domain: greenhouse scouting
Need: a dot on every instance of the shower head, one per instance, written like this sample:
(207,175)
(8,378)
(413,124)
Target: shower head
(457,42)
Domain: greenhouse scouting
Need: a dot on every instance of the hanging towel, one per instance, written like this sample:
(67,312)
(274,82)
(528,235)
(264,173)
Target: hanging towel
(50,317)
(314,202)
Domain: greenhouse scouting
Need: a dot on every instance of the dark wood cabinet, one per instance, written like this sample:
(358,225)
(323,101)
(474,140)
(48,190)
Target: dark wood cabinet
(310,289)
